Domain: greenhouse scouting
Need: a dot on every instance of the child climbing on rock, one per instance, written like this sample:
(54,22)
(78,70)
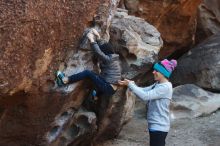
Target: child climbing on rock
(110,69)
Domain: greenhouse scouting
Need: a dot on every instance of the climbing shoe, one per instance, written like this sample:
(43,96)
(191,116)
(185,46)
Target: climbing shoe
(59,78)
(94,95)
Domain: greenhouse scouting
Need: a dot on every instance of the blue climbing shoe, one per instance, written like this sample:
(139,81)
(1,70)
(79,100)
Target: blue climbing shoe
(93,93)
(59,79)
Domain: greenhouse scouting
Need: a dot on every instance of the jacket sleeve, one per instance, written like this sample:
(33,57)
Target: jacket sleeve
(145,95)
(99,53)
(148,87)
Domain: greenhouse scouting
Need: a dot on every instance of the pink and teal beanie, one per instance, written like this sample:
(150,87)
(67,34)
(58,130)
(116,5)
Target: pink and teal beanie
(165,67)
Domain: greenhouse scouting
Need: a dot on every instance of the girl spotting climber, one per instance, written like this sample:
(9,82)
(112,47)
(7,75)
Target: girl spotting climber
(110,70)
(158,96)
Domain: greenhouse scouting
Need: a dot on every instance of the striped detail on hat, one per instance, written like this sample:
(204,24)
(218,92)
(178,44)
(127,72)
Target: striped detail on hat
(160,68)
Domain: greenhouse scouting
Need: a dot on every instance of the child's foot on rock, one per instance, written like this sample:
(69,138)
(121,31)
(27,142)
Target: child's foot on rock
(60,77)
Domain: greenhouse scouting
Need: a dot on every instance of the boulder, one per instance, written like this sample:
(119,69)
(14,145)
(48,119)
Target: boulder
(38,38)
(200,66)
(113,113)
(190,101)
(71,126)
(175,20)
(208,19)
(137,41)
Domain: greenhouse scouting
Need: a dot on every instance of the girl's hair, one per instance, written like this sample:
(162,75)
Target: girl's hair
(107,48)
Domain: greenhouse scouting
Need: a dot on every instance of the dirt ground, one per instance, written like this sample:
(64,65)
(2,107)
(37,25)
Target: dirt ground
(201,131)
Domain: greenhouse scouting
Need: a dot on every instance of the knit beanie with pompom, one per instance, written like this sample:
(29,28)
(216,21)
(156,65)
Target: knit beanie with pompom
(165,67)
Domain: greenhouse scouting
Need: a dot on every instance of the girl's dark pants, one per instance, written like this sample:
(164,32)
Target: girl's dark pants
(157,138)
(102,86)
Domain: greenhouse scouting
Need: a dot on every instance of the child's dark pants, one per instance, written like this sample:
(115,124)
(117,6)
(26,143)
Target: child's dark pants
(101,85)
(157,138)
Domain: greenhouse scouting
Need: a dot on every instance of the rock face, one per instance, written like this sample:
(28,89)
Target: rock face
(208,19)
(113,113)
(37,38)
(70,127)
(175,20)
(200,65)
(190,101)
(137,41)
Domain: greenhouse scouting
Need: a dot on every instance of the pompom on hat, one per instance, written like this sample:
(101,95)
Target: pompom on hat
(165,67)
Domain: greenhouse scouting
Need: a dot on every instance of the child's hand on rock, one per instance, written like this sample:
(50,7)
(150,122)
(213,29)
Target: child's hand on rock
(90,36)
(95,32)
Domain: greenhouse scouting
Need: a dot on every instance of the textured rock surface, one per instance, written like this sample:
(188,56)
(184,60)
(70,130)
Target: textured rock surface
(71,126)
(36,39)
(137,41)
(208,19)
(175,20)
(200,65)
(113,113)
(190,101)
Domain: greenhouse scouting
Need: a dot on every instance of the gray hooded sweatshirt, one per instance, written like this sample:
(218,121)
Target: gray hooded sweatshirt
(109,65)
